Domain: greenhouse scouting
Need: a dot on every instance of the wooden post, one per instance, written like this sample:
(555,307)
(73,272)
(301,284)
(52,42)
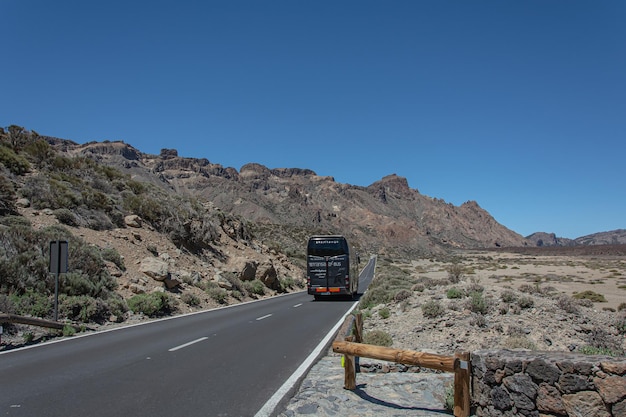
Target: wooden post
(407,357)
(462,385)
(349,369)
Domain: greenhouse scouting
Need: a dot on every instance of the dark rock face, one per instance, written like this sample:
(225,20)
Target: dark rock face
(547,383)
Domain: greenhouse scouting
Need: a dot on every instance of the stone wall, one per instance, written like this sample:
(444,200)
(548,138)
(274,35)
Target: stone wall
(523,383)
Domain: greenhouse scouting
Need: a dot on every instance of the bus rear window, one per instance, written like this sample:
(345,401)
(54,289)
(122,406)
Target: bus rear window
(327,247)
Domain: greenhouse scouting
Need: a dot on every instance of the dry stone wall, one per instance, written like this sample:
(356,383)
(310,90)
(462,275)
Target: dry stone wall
(522,383)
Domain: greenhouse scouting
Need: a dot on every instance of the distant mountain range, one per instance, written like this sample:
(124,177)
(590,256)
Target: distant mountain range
(613,237)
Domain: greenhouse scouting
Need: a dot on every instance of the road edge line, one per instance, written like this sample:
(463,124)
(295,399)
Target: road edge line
(270,406)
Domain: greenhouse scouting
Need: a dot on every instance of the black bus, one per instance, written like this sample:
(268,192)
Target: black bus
(331,268)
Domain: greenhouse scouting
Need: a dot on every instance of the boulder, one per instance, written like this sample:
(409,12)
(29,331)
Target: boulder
(248,273)
(155,268)
(133,221)
(223,282)
(268,275)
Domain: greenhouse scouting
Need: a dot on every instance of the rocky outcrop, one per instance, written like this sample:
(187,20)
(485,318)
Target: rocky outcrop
(155,268)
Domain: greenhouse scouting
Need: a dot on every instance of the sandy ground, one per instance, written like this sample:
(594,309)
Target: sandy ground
(602,274)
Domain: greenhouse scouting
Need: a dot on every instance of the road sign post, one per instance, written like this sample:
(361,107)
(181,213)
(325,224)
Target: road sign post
(58,265)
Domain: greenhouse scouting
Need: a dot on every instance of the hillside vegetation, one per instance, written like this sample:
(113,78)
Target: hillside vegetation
(80,200)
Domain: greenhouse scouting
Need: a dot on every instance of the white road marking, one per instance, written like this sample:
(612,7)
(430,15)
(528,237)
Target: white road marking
(297,305)
(272,403)
(187,344)
(264,317)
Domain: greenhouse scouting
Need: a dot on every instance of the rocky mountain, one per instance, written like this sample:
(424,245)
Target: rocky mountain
(541,239)
(613,237)
(290,203)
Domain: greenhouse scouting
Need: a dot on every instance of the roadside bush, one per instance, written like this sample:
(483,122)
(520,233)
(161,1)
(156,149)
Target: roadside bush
(519,342)
(255,287)
(112,255)
(384,313)
(525,302)
(402,295)
(432,309)
(83,308)
(601,341)
(117,306)
(621,307)
(218,294)
(67,217)
(378,338)
(455,273)
(476,303)
(33,304)
(455,293)
(508,296)
(590,295)
(69,330)
(191,300)
(375,296)
(152,305)
(6,304)
(567,304)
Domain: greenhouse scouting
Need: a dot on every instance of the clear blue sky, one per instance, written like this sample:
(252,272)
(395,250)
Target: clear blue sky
(518,105)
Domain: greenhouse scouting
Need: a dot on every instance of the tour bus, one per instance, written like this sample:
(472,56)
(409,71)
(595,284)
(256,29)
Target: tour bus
(331,268)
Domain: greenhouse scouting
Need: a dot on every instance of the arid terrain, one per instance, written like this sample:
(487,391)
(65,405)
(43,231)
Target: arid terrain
(527,302)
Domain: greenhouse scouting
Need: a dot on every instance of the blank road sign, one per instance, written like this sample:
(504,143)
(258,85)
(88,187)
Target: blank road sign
(58,256)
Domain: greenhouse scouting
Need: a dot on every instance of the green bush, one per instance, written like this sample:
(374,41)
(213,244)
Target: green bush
(68,330)
(152,305)
(15,163)
(508,296)
(377,338)
(190,299)
(590,295)
(455,293)
(384,313)
(254,287)
(375,296)
(477,303)
(592,350)
(218,294)
(112,255)
(33,304)
(83,308)
(432,309)
(67,217)
(525,302)
(402,295)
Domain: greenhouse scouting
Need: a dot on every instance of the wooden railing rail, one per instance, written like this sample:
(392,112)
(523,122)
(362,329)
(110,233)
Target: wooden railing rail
(34,321)
(458,364)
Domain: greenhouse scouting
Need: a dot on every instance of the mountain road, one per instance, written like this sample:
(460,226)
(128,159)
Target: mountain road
(223,362)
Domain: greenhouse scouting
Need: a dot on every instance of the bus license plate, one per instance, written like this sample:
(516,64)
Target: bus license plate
(325,293)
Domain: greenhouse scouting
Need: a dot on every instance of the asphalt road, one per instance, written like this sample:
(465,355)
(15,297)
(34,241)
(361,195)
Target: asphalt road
(225,362)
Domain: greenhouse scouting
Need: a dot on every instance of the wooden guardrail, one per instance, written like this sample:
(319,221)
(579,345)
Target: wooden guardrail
(458,364)
(33,321)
